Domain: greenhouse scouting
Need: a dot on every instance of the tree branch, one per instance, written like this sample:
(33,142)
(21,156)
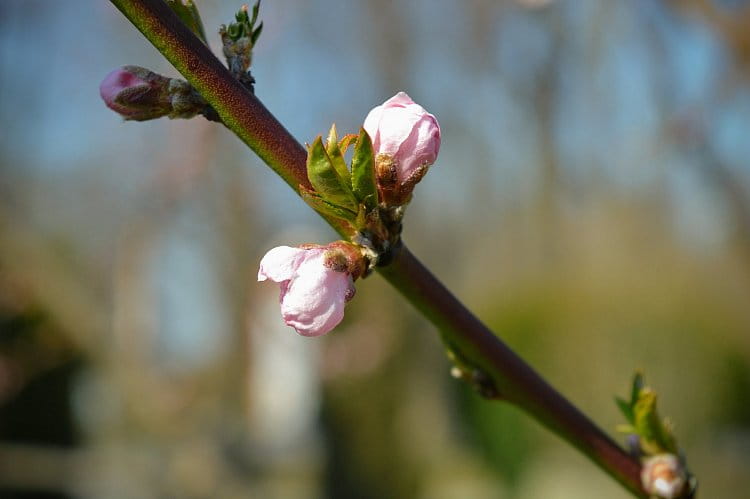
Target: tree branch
(462,332)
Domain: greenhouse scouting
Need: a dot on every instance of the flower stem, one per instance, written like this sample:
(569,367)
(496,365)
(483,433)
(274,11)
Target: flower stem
(462,332)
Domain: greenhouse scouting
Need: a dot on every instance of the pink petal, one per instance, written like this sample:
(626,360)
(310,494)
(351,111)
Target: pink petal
(420,148)
(314,301)
(395,126)
(281,263)
(114,83)
(401,99)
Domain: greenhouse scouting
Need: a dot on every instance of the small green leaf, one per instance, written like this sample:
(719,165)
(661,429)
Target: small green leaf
(626,409)
(626,429)
(371,200)
(337,158)
(234,31)
(635,391)
(321,206)
(655,436)
(188,14)
(244,26)
(326,180)
(256,34)
(361,221)
(241,15)
(256,8)
(363,172)
(333,137)
(346,141)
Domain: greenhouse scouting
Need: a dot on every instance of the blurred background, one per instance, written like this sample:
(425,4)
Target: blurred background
(591,203)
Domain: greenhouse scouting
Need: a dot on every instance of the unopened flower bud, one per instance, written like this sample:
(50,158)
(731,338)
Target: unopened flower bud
(406,139)
(139,94)
(136,93)
(316,283)
(664,476)
(238,40)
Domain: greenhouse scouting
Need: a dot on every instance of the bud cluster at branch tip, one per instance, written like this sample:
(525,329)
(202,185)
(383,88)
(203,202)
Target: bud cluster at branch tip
(238,40)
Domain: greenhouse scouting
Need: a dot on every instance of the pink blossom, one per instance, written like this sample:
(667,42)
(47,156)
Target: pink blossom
(313,294)
(402,129)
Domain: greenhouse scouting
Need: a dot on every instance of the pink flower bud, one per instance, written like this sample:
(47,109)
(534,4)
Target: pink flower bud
(664,475)
(113,84)
(314,287)
(139,94)
(407,134)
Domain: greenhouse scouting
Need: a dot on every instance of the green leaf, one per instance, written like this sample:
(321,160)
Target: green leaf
(363,172)
(256,34)
(346,141)
(256,9)
(635,391)
(241,15)
(655,436)
(367,219)
(626,409)
(337,158)
(627,429)
(188,14)
(326,180)
(244,26)
(320,205)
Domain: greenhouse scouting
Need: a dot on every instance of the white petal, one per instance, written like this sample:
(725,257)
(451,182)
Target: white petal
(372,122)
(281,263)
(395,126)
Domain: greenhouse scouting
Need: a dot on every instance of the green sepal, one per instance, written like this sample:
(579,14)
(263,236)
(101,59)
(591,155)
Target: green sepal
(188,14)
(326,180)
(363,172)
(324,207)
(337,157)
